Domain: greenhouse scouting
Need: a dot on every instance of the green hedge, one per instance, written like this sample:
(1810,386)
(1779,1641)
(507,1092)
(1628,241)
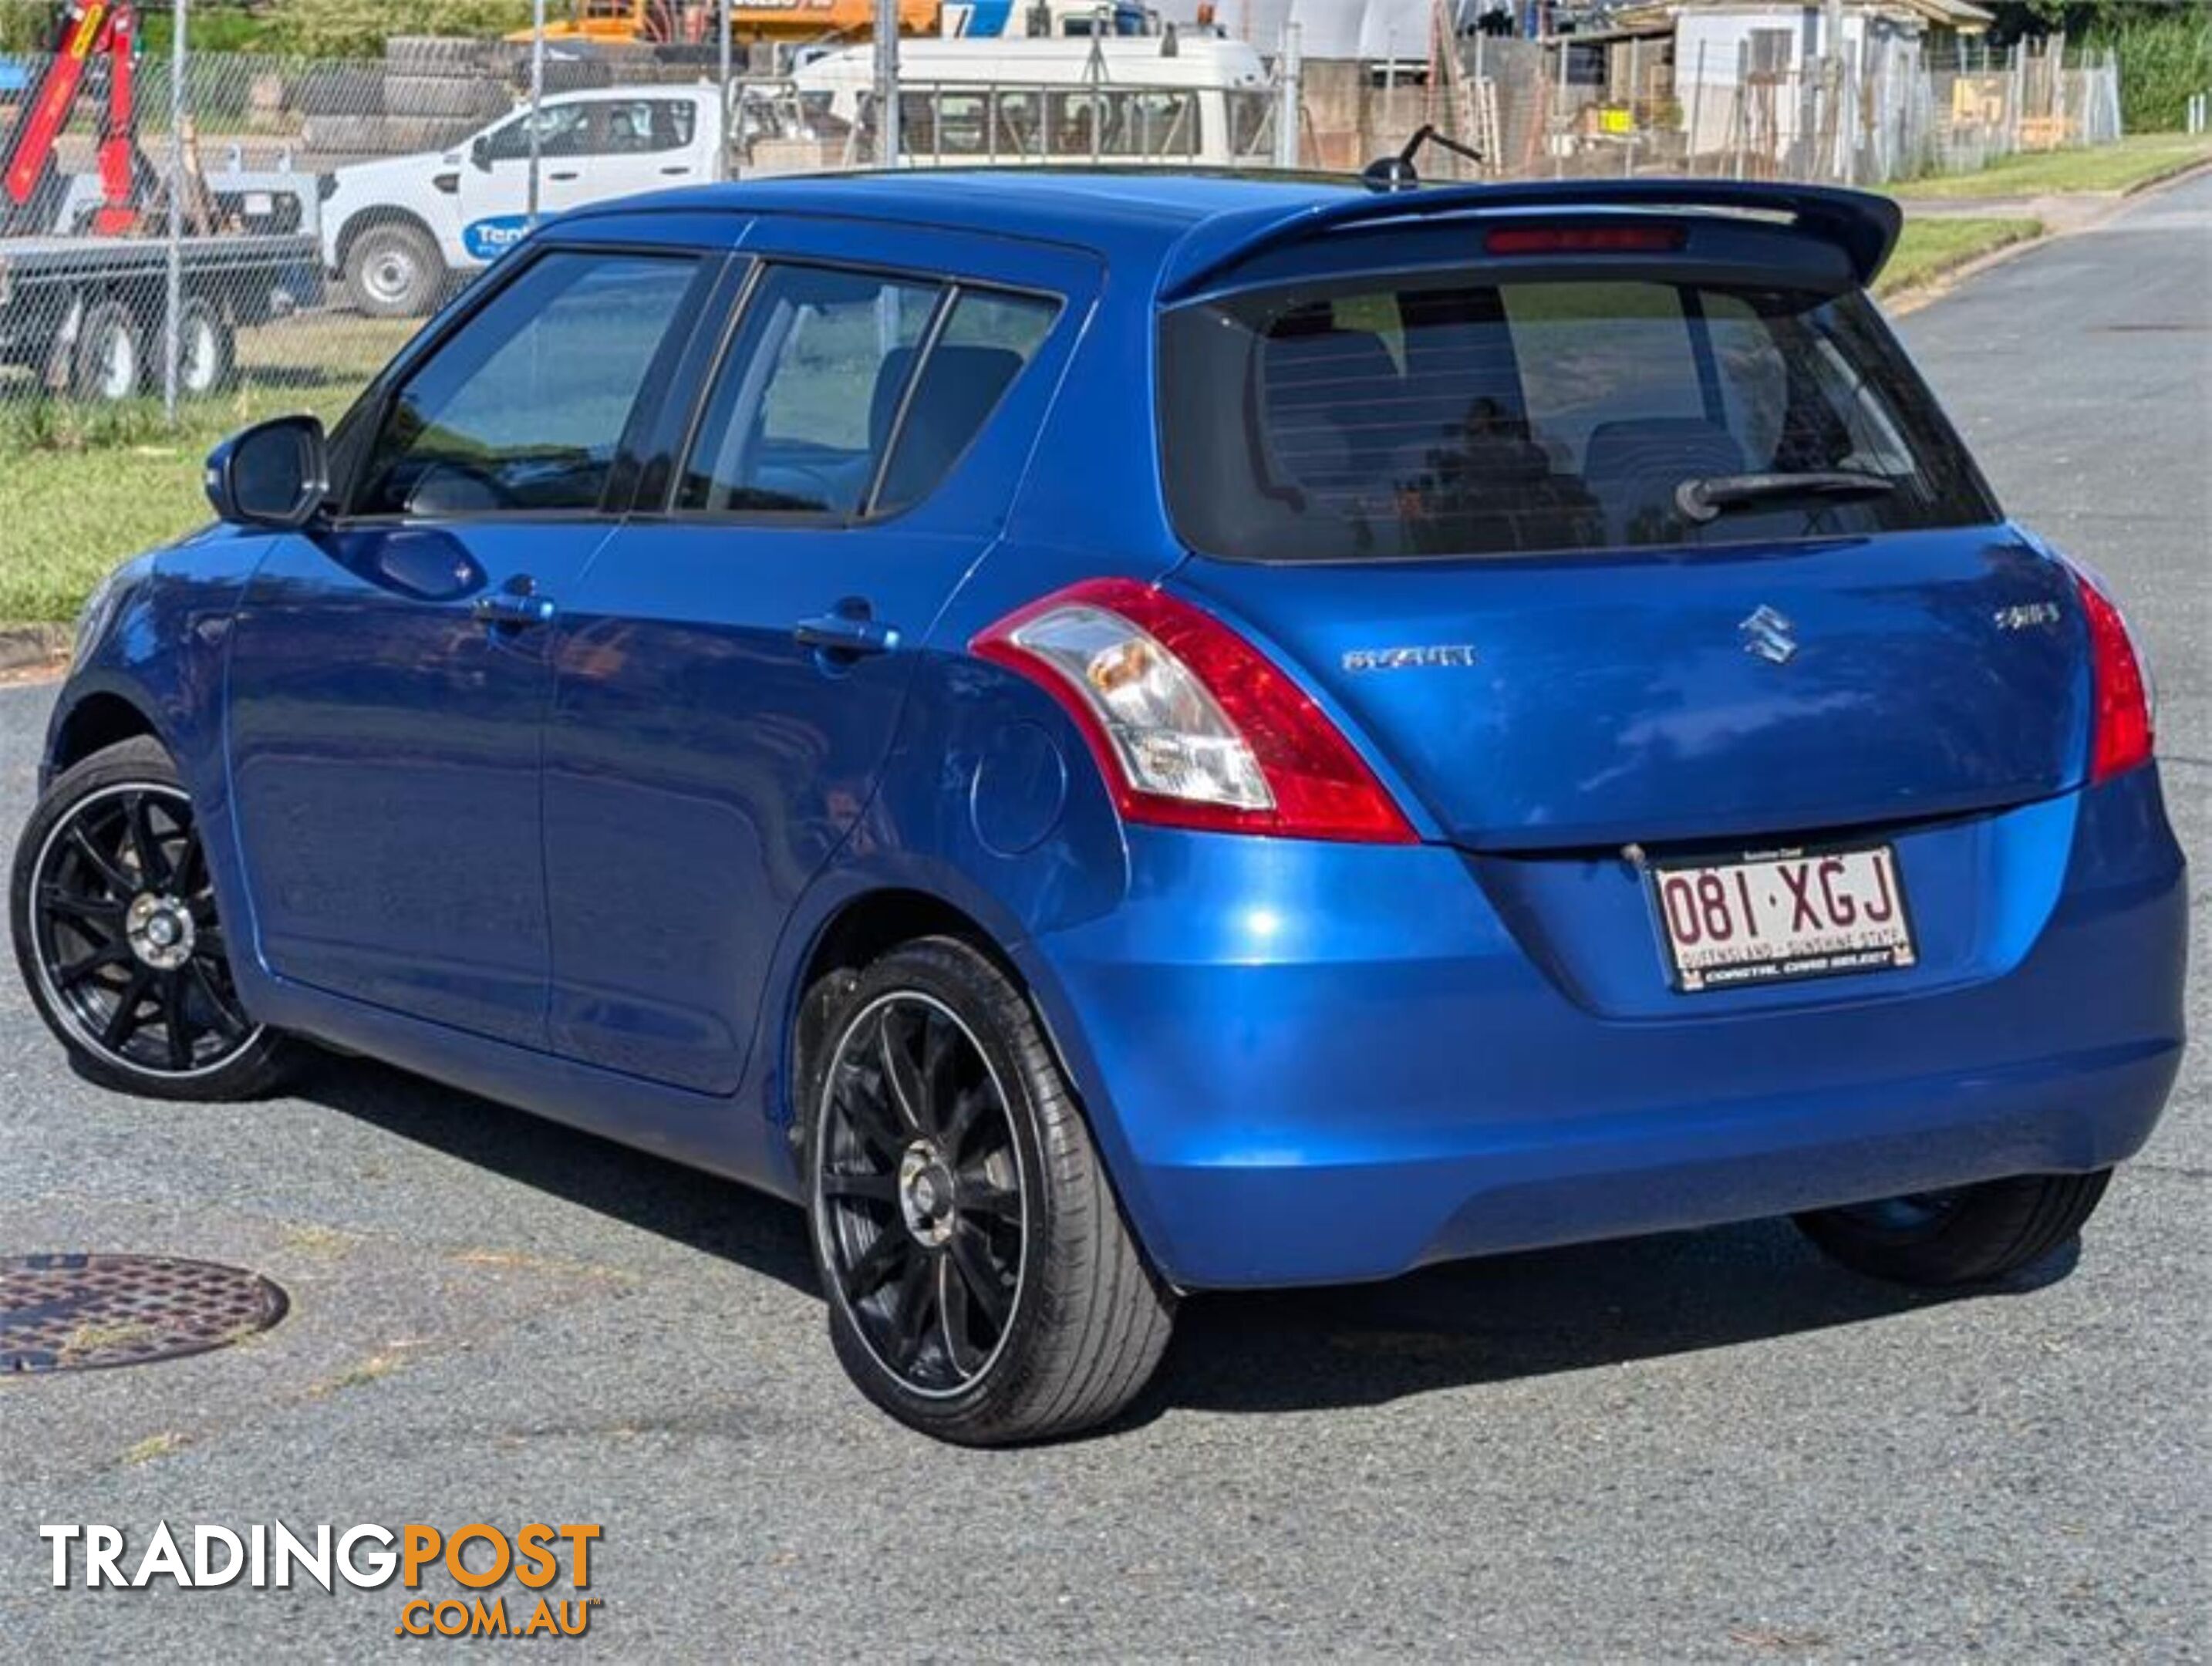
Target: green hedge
(358,28)
(2162,61)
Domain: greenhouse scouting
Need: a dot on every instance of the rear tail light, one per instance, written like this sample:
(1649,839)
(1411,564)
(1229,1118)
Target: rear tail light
(1192,726)
(2120,731)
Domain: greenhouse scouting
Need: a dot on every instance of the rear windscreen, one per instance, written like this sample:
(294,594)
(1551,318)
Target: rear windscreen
(1463,419)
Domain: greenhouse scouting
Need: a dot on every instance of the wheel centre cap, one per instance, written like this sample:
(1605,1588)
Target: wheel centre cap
(925,1191)
(159,931)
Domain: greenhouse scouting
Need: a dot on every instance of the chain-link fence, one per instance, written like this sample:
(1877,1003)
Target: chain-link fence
(270,228)
(1581,108)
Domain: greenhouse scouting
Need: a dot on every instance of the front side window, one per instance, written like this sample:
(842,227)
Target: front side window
(564,129)
(1458,418)
(838,398)
(522,410)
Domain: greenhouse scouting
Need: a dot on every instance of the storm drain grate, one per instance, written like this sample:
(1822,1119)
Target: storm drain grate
(81,1312)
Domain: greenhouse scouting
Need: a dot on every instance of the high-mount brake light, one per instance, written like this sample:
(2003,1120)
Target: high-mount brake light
(1192,726)
(1583,240)
(2120,736)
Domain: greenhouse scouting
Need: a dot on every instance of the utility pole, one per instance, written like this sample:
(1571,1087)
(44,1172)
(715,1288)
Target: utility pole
(722,150)
(1290,70)
(1834,80)
(172,317)
(887,79)
(537,98)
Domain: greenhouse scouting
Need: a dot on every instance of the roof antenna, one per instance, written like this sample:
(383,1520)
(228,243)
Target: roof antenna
(1387,173)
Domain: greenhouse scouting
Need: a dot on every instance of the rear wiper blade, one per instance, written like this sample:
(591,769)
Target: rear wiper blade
(1707,499)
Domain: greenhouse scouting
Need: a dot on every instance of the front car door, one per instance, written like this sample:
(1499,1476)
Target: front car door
(494,180)
(388,675)
(730,677)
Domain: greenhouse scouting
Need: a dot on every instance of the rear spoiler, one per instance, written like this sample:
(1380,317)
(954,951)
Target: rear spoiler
(1863,226)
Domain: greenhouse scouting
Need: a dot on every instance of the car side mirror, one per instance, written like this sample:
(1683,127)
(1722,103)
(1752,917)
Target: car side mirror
(480,154)
(275,474)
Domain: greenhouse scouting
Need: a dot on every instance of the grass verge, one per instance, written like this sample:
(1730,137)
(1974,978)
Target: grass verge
(2139,160)
(1929,248)
(82,487)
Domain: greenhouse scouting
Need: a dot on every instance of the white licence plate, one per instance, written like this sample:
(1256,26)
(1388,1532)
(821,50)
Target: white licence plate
(1789,914)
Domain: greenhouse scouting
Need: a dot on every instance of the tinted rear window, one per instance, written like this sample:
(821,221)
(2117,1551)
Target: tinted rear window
(1458,419)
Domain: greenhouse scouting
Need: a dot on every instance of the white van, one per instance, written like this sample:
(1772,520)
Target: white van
(1166,100)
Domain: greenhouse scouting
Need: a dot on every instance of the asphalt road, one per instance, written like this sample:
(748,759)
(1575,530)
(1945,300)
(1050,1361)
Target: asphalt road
(1705,1446)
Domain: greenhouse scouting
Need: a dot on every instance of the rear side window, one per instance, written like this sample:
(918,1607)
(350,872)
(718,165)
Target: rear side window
(523,410)
(641,126)
(1460,419)
(843,395)
(987,337)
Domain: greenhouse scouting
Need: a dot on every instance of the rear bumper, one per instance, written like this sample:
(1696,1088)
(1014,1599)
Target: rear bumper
(1311,1063)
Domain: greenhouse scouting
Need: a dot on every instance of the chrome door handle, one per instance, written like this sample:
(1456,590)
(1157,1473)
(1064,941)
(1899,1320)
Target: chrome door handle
(847,630)
(514,610)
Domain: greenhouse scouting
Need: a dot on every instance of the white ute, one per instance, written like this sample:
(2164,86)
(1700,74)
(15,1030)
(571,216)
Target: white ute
(400,231)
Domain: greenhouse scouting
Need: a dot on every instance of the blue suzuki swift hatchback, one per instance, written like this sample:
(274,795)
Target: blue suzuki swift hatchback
(1113,736)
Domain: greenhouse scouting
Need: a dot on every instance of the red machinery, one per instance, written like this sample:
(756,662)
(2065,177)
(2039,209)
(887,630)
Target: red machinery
(89,29)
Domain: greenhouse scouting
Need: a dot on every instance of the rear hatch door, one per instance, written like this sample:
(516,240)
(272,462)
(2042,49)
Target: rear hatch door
(1567,702)
(1629,544)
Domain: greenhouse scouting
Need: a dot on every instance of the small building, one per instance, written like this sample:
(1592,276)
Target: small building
(1746,72)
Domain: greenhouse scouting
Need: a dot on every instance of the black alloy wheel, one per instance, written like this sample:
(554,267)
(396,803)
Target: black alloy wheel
(118,936)
(983,1285)
(920,1191)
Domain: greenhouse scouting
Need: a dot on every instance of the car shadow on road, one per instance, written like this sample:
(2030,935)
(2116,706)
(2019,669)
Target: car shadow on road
(716,1216)
(1508,1318)
(1499,1320)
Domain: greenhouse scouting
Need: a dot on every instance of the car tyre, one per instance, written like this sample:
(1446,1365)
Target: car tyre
(982,1285)
(394,271)
(118,939)
(1968,1235)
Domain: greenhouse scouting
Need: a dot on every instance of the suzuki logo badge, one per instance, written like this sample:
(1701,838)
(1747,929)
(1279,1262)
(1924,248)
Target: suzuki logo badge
(1767,634)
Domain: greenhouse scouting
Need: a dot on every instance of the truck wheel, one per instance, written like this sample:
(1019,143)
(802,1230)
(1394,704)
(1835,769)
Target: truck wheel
(110,361)
(983,1287)
(207,348)
(436,55)
(470,96)
(394,271)
(348,135)
(1968,1235)
(339,89)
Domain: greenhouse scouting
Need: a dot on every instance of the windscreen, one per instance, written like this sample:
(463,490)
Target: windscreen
(1420,417)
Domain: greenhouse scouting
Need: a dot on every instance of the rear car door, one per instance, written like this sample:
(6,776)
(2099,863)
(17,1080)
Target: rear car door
(633,144)
(388,671)
(732,673)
